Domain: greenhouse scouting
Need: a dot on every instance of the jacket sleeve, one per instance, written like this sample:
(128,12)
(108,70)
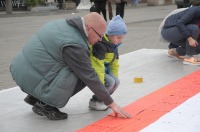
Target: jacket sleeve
(78,59)
(186,19)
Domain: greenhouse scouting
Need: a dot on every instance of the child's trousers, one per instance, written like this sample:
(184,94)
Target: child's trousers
(111,83)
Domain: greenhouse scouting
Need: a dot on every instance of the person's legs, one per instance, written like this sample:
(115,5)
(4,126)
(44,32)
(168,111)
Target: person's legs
(173,54)
(198,47)
(80,85)
(96,104)
(98,6)
(122,9)
(173,35)
(43,109)
(194,30)
(50,112)
(177,45)
(111,83)
(60,4)
(103,9)
(118,8)
(177,40)
(30,100)
(181,50)
(191,52)
(171,45)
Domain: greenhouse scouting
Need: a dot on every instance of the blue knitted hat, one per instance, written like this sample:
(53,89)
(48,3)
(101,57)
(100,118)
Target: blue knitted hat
(116,26)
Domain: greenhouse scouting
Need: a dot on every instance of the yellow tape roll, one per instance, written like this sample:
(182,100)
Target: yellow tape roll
(138,79)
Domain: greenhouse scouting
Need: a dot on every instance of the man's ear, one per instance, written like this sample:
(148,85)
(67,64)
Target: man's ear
(87,27)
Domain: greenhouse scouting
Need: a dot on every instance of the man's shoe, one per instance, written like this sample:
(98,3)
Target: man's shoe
(97,105)
(30,100)
(171,53)
(50,112)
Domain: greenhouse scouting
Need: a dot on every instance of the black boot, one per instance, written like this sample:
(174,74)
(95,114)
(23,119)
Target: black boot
(30,100)
(50,112)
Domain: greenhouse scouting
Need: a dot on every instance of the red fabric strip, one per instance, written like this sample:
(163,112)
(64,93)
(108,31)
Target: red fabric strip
(151,107)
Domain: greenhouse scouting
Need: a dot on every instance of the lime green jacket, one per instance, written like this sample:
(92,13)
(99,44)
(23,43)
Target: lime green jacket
(104,58)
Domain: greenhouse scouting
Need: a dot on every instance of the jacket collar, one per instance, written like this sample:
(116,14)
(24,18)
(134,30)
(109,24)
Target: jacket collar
(79,24)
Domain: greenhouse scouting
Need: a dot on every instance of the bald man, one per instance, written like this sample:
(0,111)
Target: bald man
(54,65)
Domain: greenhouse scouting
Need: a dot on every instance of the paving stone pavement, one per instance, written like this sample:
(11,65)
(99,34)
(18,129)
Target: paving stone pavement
(16,29)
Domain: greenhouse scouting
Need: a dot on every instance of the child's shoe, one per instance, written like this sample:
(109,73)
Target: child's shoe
(97,105)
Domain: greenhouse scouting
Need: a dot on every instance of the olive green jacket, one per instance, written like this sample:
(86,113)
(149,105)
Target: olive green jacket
(53,61)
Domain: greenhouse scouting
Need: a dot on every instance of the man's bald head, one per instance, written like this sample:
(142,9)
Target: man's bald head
(95,20)
(95,26)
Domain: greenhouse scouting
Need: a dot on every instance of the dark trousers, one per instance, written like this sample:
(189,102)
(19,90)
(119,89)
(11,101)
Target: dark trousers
(174,36)
(101,7)
(60,3)
(120,9)
(171,46)
(79,86)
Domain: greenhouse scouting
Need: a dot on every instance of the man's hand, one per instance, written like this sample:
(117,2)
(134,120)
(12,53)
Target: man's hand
(118,111)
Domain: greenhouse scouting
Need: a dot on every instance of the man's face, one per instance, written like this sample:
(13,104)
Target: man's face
(95,35)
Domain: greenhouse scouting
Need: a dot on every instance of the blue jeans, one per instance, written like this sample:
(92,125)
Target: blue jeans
(111,83)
